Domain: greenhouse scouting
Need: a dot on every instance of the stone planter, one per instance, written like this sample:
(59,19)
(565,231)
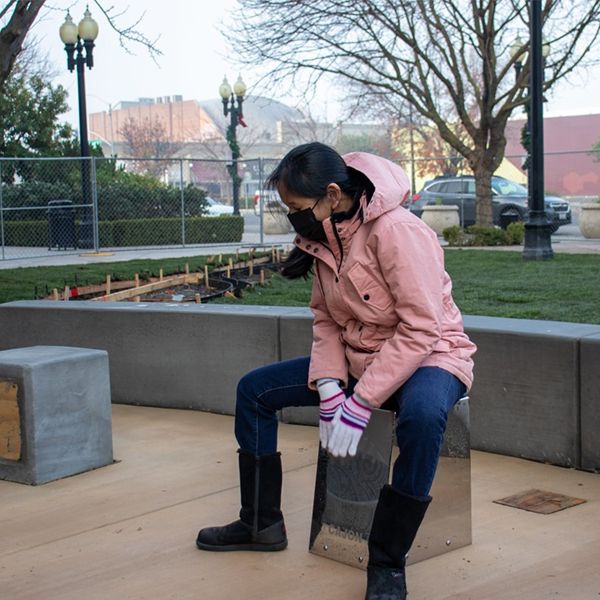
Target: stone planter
(589,220)
(275,219)
(439,217)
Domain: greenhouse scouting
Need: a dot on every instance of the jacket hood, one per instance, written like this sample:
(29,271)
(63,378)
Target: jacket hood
(390,181)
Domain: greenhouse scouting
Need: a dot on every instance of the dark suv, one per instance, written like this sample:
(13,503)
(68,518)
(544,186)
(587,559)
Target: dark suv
(509,201)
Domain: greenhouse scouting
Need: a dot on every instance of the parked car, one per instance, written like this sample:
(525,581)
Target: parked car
(216,209)
(266,198)
(509,201)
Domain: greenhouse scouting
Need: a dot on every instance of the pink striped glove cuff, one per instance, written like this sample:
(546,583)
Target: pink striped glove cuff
(331,397)
(355,412)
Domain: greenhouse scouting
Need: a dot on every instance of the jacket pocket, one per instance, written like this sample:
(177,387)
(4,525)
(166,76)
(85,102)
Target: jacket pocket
(371,292)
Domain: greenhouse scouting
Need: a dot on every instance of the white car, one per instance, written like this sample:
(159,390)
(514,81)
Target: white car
(216,209)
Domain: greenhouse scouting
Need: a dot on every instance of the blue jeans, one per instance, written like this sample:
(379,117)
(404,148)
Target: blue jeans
(421,405)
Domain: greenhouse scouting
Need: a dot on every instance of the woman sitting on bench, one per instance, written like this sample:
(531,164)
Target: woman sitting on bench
(386,330)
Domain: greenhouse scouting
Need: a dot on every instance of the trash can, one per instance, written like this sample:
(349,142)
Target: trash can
(61,225)
(506,218)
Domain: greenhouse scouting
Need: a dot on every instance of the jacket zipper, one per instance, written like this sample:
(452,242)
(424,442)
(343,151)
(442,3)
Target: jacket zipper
(339,241)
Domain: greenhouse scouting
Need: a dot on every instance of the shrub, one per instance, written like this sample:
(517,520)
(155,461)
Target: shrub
(479,235)
(487,236)
(141,197)
(121,195)
(34,195)
(516,233)
(26,233)
(454,235)
(160,231)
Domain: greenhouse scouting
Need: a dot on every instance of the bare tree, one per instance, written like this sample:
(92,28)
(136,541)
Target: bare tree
(17,17)
(13,33)
(434,55)
(148,139)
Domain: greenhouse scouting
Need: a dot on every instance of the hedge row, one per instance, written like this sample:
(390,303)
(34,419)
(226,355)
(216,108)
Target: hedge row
(160,231)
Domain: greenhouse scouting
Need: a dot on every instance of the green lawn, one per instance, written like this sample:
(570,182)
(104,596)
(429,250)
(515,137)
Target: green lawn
(25,283)
(494,283)
(486,282)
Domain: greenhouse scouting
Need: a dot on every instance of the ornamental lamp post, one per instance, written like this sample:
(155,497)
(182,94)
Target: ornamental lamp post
(76,39)
(537,244)
(235,112)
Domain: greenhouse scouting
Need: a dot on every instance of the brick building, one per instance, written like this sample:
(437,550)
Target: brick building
(184,120)
(570,169)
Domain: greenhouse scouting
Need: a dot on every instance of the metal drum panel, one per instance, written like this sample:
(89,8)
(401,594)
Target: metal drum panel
(447,523)
(347,490)
(346,494)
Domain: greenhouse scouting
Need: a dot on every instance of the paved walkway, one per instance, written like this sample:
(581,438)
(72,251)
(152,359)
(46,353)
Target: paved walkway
(126,532)
(41,257)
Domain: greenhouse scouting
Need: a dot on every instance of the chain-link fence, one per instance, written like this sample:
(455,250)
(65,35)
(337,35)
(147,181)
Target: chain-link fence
(61,205)
(66,205)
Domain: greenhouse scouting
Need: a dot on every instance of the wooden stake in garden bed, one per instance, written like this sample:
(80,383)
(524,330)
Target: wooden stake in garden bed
(107,285)
(137,285)
(206,284)
(137,291)
(262,277)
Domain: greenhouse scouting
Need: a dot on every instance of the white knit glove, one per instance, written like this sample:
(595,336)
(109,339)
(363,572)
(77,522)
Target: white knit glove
(347,427)
(332,396)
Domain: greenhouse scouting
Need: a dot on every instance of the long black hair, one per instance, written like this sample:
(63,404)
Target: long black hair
(306,171)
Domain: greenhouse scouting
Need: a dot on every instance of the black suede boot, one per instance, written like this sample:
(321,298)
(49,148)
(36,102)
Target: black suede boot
(395,525)
(261,525)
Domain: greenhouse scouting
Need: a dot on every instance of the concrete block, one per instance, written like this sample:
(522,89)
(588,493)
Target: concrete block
(296,340)
(525,399)
(64,412)
(590,402)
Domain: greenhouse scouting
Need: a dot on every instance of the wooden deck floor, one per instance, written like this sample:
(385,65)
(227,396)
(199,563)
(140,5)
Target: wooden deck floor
(127,531)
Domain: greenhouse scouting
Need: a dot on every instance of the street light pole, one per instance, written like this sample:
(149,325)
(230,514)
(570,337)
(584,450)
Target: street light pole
(76,39)
(412,150)
(537,244)
(236,115)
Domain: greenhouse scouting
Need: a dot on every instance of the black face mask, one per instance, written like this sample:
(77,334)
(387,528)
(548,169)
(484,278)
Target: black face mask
(306,224)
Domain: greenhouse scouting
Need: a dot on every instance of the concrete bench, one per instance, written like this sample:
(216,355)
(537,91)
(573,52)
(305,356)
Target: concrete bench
(590,402)
(55,413)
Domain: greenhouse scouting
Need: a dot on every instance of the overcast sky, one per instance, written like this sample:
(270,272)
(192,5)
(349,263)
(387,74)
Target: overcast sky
(194,58)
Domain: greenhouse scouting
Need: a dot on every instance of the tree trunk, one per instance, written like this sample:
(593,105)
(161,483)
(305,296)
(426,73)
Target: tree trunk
(487,158)
(13,34)
(483,191)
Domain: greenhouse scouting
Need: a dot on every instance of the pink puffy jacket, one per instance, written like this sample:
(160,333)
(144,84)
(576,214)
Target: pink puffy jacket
(381,299)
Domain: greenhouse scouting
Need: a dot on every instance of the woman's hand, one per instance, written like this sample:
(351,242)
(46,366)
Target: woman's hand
(332,396)
(347,427)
